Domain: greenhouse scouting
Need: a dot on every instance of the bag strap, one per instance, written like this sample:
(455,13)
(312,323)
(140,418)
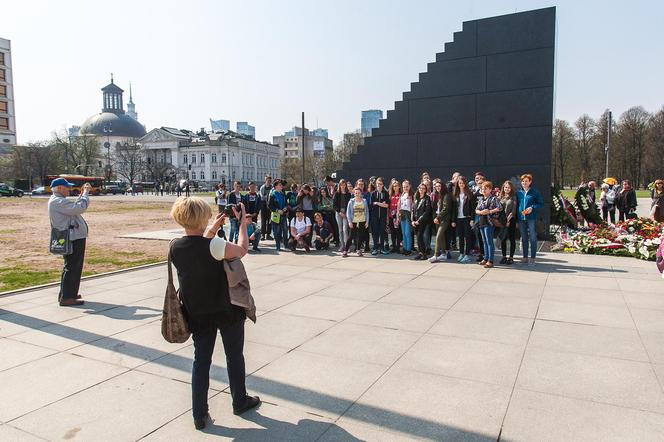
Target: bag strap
(170,270)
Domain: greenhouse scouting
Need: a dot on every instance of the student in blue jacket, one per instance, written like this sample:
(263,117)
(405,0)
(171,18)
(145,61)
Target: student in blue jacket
(529,202)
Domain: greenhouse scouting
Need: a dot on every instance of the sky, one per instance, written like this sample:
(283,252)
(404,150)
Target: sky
(266,61)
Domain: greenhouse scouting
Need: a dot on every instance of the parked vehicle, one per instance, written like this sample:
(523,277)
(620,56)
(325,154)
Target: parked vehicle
(39,191)
(78,181)
(6,190)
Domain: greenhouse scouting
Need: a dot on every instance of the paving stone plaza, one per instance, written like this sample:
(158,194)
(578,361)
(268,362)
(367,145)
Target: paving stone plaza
(354,349)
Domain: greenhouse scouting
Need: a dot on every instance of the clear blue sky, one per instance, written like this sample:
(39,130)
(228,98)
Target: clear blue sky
(266,61)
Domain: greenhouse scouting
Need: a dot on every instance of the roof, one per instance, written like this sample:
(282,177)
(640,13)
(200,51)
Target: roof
(112,87)
(120,125)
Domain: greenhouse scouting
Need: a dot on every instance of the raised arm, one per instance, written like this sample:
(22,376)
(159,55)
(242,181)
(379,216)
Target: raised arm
(69,207)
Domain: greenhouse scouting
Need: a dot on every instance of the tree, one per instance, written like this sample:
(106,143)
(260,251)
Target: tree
(129,162)
(631,135)
(33,160)
(157,168)
(654,168)
(601,139)
(83,154)
(585,132)
(349,144)
(563,145)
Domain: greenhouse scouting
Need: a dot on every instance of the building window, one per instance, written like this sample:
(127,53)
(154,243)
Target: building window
(3,90)
(4,123)
(2,58)
(193,158)
(3,75)
(214,174)
(202,174)
(223,158)
(185,159)
(193,175)
(3,106)
(202,158)
(213,158)
(187,175)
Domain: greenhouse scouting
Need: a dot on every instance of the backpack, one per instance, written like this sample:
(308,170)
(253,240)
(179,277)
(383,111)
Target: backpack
(611,196)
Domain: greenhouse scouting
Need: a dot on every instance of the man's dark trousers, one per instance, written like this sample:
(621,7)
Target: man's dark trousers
(71,273)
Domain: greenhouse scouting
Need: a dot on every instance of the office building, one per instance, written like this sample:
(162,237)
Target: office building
(7,112)
(370,120)
(316,141)
(245,128)
(220,125)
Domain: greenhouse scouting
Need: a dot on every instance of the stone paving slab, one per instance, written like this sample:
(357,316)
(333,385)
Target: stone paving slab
(374,348)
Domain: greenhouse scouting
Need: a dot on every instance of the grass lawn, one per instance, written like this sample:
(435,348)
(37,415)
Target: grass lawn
(639,193)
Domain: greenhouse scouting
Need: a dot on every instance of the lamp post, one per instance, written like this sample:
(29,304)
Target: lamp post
(608,143)
(108,130)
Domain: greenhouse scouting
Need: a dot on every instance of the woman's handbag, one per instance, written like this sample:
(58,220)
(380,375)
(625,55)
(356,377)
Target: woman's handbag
(60,242)
(174,326)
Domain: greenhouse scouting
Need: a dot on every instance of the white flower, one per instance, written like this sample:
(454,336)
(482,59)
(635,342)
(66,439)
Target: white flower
(644,251)
(631,248)
(656,241)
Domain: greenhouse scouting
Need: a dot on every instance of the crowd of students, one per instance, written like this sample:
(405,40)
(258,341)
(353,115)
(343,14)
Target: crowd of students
(378,217)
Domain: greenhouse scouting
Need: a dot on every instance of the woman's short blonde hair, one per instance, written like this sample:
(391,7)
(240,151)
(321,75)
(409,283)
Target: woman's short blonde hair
(191,213)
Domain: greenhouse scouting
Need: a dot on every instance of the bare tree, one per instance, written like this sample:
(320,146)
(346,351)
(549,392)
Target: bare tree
(631,135)
(349,145)
(563,146)
(585,132)
(129,162)
(83,153)
(654,168)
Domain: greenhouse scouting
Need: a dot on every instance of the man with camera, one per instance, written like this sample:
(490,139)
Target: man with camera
(66,214)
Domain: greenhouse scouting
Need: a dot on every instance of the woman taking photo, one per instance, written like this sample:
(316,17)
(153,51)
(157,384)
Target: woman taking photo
(405,209)
(358,222)
(395,227)
(463,213)
(421,217)
(307,200)
(198,257)
(443,219)
(488,210)
(508,201)
(341,198)
(529,202)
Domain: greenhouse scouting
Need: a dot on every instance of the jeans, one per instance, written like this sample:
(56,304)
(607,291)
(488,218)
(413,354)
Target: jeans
(442,239)
(280,232)
(487,239)
(464,231)
(395,232)
(609,212)
(342,222)
(428,233)
(528,237)
(70,280)
(511,236)
(378,225)
(406,235)
(265,220)
(232,337)
(359,234)
(235,230)
(421,233)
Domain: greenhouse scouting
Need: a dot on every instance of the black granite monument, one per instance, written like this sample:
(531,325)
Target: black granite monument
(485,104)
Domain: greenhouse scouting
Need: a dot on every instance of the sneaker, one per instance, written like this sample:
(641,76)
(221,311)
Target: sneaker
(269,237)
(433,259)
(449,255)
(488,264)
(360,252)
(344,254)
(466,260)
(504,260)
(531,262)
(442,257)
(251,402)
(418,257)
(306,248)
(374,252)
(460,258)
(385,252)
(510,261)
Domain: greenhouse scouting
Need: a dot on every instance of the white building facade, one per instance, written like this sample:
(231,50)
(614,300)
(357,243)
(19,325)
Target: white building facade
(7,112)
(210,158)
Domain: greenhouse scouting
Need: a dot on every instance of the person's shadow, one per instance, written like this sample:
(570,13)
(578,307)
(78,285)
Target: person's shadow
(272,429)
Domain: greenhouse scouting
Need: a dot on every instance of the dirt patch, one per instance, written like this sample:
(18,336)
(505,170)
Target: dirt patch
(25,229)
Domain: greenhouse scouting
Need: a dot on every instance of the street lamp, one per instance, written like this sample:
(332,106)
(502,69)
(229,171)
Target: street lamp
(108,130)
